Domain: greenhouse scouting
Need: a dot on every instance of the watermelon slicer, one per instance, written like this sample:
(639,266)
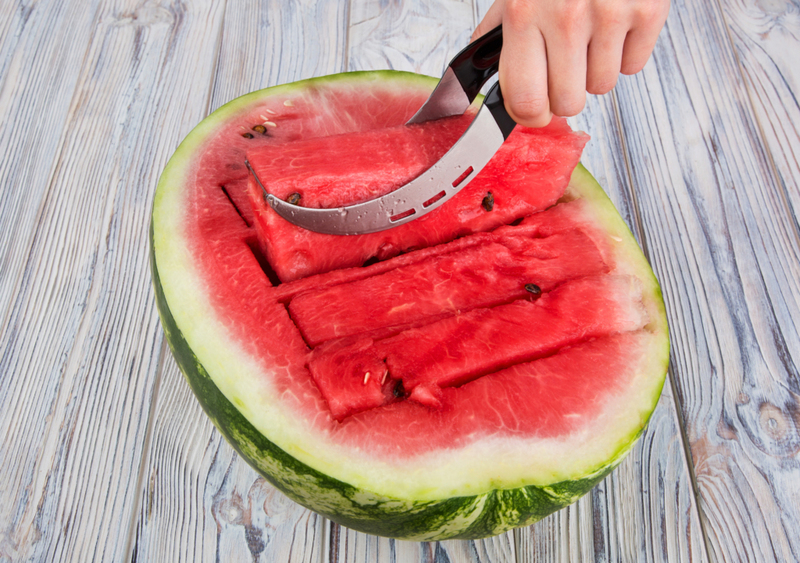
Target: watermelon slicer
(458,87)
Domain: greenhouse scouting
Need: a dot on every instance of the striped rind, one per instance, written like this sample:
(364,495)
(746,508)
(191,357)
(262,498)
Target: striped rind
(353,502)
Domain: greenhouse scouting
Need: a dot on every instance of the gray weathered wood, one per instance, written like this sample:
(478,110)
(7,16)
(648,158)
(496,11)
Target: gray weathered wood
(347,546)
(41,50)
(766,40)
(414,36)
(83,336)
(725,248)
(201,502)
(272,42)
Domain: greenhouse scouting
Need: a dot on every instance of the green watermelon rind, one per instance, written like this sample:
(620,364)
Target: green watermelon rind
(469,516)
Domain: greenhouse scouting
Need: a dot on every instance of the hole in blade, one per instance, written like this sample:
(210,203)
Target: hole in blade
(463,177)
(434,199)
(403,215)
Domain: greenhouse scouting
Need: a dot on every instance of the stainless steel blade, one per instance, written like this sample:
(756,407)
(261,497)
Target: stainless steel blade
(448,98)
(420,196)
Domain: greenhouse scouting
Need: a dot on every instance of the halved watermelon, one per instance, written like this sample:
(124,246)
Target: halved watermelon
(467,373)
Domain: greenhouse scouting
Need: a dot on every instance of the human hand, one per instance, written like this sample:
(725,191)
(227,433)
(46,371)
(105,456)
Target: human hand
(554,51)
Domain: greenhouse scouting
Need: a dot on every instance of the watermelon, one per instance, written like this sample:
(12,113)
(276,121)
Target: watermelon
(463,374)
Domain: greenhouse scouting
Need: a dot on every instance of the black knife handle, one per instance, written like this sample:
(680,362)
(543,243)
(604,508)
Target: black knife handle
(494,102)
(478,62)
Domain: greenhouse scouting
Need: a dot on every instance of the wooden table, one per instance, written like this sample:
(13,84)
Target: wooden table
(106,456)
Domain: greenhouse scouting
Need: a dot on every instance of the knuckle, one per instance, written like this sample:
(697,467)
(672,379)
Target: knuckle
(607,14)
(572,15)
(518,14)
(651,14)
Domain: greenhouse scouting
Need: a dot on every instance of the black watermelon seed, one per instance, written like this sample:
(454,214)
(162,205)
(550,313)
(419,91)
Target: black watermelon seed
(533,288)
(293,199)
(260,129)
(488,201)
(399,391)
(247,135)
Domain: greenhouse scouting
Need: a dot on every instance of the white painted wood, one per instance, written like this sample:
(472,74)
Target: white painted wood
(80,346)
(414,36)
(348,546)
(200,500)
(766,39)
(42,46)
(725,248)
(275,42)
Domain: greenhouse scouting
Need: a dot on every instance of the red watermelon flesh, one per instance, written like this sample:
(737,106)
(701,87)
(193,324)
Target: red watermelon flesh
(548,397)
(226,246)
(353,167)
(463,347)
(493,271)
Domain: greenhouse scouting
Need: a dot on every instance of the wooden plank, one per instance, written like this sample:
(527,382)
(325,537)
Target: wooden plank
(766,39)
(645,510)
(269,43)
(41,49)
(414,36)
(83,335)
(347,546)
(725,248)
(201,502)
(227,511)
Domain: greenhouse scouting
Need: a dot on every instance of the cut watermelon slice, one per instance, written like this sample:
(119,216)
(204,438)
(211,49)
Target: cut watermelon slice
(491,372)
(354,167)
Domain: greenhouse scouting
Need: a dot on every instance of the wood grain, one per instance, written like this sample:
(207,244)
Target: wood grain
(75,420)
(725,248)
(413,36)
(42,46)
(348,546)
(201,502)
(272,42)
(210,504)
(766,40)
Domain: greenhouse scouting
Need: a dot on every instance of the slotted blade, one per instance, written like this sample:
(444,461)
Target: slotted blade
(420,196)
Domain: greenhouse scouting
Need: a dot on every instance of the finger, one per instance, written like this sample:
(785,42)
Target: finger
(523,75)
(566,68)
(492,18)
(641,39)
(603,61)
